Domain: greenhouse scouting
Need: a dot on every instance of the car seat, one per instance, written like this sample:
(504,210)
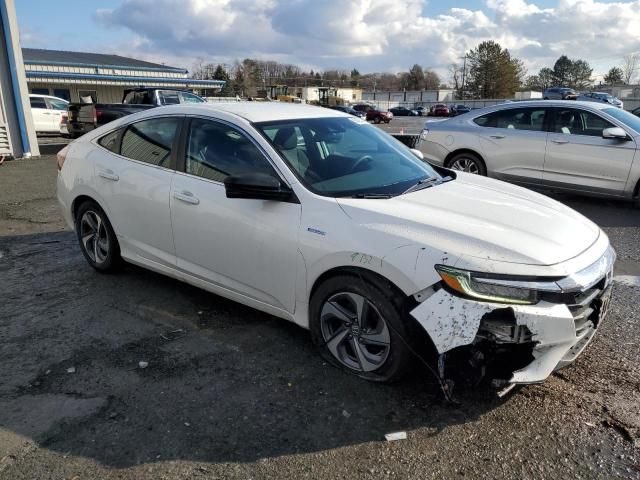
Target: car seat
(286,141)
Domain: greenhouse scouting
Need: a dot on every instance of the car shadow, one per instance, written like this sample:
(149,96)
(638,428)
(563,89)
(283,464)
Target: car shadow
(218,382)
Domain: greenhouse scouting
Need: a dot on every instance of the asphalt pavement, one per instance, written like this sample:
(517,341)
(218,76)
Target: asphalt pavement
(224,391)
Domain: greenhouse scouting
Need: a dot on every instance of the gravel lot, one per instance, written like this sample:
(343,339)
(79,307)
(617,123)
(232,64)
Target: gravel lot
(230,392)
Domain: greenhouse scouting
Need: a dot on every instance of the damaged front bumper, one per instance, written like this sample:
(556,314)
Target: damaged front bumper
(551,334)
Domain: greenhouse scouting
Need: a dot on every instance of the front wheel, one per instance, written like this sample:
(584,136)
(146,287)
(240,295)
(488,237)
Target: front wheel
(360,329)
(467,162)
(97,239)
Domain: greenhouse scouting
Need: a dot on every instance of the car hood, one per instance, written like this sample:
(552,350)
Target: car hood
(474,216)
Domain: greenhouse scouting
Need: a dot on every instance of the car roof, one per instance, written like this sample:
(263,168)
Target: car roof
(38,95)
(556,103)
(256,111)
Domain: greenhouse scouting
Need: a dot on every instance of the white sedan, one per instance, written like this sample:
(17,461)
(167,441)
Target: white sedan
(316,217)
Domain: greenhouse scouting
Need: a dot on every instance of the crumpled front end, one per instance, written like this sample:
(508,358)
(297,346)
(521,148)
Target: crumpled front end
(528,341)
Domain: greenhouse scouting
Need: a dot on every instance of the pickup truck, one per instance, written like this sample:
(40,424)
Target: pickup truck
(84,117)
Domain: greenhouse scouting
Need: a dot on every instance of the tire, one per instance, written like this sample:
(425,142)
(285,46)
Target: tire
(467,162)
(387,121)
(384,322)
(377,120)
(101,250)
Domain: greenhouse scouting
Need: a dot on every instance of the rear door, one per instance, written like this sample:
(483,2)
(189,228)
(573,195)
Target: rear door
(578,158)
(513,143)
(42,116)
(134,171)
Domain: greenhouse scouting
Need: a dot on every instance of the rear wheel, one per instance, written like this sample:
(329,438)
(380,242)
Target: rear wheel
(97,239)
(377,120)
(467,162)
(360,329)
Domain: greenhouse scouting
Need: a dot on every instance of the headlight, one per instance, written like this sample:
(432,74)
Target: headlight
(488,289)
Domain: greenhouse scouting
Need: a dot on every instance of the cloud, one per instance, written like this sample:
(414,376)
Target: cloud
(374,35)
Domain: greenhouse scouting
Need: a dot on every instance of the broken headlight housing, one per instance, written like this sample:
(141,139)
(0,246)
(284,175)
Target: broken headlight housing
(492,288)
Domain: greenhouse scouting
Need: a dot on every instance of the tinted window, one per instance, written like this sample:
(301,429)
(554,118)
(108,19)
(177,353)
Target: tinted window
(38,103)
(572,121)
(110,141)
(514,118)
(191,98)
(216,150)
(150,141)
(168,97)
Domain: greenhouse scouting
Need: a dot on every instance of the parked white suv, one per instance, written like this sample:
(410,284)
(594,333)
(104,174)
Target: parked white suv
(584,147)
(49,114)
(319,218)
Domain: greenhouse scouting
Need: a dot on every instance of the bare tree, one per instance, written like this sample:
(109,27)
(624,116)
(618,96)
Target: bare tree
(629,66)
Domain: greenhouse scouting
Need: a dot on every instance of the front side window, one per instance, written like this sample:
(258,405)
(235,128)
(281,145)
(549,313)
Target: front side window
(629,119)
(340,157)
(514,118)
(216,150)
(150,141)
(572,121)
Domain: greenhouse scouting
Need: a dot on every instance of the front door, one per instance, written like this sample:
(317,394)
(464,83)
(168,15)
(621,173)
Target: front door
(248,247)
(578,158)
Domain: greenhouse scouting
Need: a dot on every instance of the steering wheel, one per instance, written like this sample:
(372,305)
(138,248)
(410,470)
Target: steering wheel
(361,161)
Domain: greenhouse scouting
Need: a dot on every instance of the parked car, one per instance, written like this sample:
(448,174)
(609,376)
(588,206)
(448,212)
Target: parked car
(403,112)
(422,111)
(439,110)
(84,117)
(600,97)
(348,109)
(373,114)
(560,93)
(583,147)
(49,114)
(458,110)
(308,215)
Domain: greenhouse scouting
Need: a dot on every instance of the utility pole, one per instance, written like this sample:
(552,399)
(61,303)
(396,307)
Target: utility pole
(464,73)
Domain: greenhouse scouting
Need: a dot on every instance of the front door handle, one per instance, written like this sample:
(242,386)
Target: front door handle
(497,136)
(559,141)
(109,175)
(186,196)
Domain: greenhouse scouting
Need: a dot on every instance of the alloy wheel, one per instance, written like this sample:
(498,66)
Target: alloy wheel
(355,332)
(465,165)
(94,237)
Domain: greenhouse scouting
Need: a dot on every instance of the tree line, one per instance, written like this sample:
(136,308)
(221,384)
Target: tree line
(246,77)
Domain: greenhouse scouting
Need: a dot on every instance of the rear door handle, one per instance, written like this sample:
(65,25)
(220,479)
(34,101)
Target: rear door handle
(497,136)
(187,197)
(559,141)
(109,175)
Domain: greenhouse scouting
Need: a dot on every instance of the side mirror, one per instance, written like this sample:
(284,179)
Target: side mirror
(616,133)
(417,153)
(257,186)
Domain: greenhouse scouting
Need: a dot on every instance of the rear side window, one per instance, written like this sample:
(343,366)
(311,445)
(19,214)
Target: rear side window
(514,118)
(110,141)
(38,103)
(150,141)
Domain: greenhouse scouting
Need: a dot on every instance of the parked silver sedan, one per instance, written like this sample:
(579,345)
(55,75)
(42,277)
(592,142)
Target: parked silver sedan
(601,97)
(584,147)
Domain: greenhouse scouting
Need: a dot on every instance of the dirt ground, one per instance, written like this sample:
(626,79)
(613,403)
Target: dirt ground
(230,392)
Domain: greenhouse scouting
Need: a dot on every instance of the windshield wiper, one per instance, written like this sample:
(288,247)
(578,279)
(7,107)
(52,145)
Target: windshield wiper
(424,183)
(371,195)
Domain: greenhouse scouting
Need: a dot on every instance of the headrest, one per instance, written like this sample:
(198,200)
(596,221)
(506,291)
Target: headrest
(286,138)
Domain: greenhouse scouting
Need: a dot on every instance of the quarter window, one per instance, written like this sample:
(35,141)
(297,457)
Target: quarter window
(514,118)
(150,141)
(572,121)
(110,141)
(216,150)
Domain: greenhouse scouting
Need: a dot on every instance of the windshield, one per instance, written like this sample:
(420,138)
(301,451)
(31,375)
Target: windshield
(58,104)
(625,117)
(341,157)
